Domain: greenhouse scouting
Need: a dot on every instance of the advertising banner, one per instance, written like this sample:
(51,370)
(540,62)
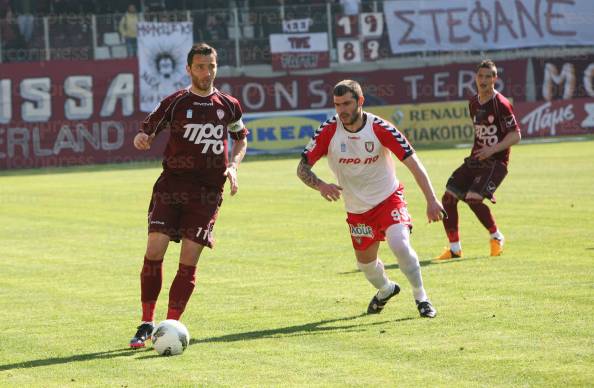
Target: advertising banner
(381,87)
(556,118)
(564,78)
(299,51)
(461,25)
(66,113)
(438,122)
(282,132)
(162,59)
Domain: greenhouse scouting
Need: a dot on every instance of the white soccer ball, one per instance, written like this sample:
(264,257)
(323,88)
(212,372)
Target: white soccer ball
(170,338)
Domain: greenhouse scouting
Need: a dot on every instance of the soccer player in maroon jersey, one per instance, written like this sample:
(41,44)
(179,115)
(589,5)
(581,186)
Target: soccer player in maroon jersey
(187,196)
(495,131)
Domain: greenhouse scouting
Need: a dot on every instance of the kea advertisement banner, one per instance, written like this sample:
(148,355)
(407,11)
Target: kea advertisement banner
(282,132)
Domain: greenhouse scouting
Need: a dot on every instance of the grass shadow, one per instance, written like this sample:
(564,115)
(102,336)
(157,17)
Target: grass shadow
(65,360)
(313,328)
(424,263)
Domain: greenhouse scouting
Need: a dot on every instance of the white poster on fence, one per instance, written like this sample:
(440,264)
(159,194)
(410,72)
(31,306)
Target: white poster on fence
(162,52)
(458,25)
(299,51)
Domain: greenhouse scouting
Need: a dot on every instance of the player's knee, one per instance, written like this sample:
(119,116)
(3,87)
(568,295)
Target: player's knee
(449,199)
(398,241)
(473,199)
(154,255)
(155,252)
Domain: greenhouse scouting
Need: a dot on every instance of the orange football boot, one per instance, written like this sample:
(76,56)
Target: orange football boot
(449,254)
(496,247)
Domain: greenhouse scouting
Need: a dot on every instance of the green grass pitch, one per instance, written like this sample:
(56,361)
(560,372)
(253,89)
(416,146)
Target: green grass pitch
(279,301)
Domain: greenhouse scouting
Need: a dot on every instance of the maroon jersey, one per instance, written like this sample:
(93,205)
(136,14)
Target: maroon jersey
(492,121)
(198,127)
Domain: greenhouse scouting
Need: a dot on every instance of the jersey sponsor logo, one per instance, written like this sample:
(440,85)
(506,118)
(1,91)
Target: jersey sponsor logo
(510,122)
(206,134)
(361,230)
(369,160)
(369,146)
(486,134)
(203,103)
(220,114)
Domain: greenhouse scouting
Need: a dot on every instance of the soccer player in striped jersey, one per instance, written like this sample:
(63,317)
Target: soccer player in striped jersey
(358,146)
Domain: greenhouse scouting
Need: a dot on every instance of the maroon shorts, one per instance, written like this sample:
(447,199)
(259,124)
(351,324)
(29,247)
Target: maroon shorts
(369,227)
(483,177)
(181,208)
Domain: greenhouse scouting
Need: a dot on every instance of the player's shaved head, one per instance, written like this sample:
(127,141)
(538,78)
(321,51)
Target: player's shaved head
(200,49)
(348,86)
(488,64)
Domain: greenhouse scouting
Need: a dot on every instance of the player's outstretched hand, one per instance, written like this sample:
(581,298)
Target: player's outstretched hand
(142,141)
(435,211)
(330,191)
(231,174)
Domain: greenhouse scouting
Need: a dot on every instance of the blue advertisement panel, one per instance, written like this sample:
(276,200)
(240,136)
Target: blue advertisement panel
(283,132)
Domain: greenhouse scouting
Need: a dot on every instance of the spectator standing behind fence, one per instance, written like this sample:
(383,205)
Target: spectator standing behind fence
(128,29)
(24,10)
(11,37)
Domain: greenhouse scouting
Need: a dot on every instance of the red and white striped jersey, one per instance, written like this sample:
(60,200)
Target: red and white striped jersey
(361,161)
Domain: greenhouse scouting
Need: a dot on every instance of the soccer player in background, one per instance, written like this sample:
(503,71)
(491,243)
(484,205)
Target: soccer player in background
(495,131)
(187,196)
(358,146)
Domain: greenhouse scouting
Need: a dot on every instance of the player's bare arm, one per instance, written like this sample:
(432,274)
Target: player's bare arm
(509,140)
(328,191)
(237,153)
(435,211)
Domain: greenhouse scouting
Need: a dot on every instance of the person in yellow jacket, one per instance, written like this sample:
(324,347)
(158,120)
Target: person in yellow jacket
(128,29)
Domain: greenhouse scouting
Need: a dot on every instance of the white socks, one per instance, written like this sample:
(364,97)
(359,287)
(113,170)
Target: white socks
(376,275)
(498,236)
(455,247)
(398,239)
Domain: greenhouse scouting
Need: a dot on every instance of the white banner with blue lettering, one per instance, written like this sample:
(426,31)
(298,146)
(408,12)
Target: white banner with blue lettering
(460,25)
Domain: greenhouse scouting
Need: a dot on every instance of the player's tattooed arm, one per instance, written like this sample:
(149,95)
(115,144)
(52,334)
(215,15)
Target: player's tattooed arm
(328,191)
(307,176)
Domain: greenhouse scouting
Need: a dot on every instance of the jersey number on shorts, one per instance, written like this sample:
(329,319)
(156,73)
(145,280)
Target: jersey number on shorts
(398,214)
(205,232)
